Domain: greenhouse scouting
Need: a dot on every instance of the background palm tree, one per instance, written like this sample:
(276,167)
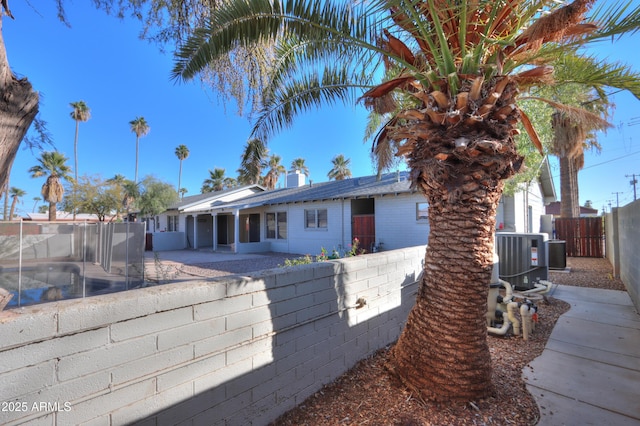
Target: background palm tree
(140,127)
(298,164)
(182,192)
(53,165)
(215,181)
(81,112)
(35,203)
(5,193)
(131,191)
(275,170)
(118,181)
(340,168)
(452,77)
(229,183)
(252,162)
(16,194)
(182,152)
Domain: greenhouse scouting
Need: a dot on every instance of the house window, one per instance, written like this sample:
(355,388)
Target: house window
(172,224)
(422,211)
(315,218)
(277,225)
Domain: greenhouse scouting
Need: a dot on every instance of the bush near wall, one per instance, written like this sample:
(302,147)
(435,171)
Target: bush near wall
(234,350)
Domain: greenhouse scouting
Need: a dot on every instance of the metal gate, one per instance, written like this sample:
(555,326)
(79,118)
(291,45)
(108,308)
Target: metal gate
(584,236)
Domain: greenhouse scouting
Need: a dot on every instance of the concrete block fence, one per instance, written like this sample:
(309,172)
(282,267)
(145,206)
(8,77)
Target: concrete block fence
(622,230)
(229,351)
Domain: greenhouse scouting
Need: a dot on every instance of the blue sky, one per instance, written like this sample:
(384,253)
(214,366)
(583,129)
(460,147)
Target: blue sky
(101,61)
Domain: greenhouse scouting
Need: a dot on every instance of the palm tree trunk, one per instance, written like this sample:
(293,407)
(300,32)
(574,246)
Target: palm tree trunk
(179,177)
(568,181)
(442,353)
(75,169)
(13,207)
(136,175)
(18,108)
(53,212)
(5,192)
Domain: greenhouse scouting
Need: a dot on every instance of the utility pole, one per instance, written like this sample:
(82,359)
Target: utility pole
(633,182)
(617,194)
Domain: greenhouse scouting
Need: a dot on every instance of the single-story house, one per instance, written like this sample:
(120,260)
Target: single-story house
(300,218)
(187,224)
(524,211)
(383,214)
(553,209)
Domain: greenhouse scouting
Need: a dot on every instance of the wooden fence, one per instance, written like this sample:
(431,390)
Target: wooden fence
(584,236)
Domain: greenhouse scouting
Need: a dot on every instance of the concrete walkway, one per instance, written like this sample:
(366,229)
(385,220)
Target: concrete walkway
(589,371)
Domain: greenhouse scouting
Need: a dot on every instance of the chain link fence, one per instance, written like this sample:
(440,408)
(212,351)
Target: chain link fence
(47,261)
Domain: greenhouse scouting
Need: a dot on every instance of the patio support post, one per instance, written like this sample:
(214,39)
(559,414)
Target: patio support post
(215,231)
(195,231)
(236,229)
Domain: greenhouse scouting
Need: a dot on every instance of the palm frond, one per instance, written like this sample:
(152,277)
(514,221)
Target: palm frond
(259,20)
(578,115)
(303,94)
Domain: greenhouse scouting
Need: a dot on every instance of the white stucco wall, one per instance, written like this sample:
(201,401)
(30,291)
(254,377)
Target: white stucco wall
(302,240)
(396,223)
(513,211)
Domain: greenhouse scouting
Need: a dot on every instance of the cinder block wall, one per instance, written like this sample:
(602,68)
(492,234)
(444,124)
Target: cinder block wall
(629,251)
(232,351)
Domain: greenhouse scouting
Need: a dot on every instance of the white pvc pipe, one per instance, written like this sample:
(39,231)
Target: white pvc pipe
(502,330)
(508,296)
(512,308)
(525,314)
(540,287)
(508,321)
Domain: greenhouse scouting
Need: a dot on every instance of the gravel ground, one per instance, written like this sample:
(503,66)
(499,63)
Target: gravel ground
(266,261)
(164,271)
(368,395)
(588,272)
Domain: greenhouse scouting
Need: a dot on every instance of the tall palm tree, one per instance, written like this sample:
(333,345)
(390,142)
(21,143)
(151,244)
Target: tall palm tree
(140,127)
(572,134)
(16,194)
(453,73)
(81,112)
(298,164)
(252,162)
(340,168)
(275,170)
(215,181)
(182,152)
(53,165)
